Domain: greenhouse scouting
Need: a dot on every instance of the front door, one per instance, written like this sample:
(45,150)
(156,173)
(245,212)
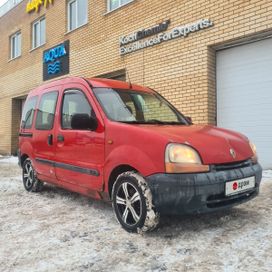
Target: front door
(79,153)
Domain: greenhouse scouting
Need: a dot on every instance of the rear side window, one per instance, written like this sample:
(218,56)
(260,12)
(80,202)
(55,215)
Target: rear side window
(46,111)
(74,102)
(28,112)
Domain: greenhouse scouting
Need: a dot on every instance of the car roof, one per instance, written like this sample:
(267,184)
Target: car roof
(115,84)
(94,82)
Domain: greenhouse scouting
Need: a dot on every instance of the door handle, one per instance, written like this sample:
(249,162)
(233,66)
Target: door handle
(60,138)
(50,139)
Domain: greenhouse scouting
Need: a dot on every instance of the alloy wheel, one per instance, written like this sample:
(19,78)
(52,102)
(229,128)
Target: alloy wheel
(129,203)
(28,175)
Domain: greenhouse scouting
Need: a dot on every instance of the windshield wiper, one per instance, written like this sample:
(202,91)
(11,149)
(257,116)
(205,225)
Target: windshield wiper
(155,121)
(152,122)
(133,122)
(174,123)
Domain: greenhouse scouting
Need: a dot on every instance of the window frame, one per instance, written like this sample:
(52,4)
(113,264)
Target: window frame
(119,5)
(69,2)
(38,22)
(38,108)
(19,49)
(62,103)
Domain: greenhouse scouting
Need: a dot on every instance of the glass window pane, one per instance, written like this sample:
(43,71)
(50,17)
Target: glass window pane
(116,105)
(28,112)
(42,32)
(123,2)
(113,4)
(46,111)
(19,44)
(74,102)
(82,9)
(35,35)
(72,15)
(15,46)
(127,106)
(12,43)
(155,109)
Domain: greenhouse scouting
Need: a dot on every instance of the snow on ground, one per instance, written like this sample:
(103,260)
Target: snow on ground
(10,160)
(267,176)
(60,231)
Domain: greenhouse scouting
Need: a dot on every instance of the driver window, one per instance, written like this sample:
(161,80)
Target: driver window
(74,102)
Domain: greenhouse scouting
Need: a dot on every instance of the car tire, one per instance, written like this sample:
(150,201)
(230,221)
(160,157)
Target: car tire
(30,181)
(132,203)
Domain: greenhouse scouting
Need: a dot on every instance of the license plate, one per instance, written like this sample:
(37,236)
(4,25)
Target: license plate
(240,185)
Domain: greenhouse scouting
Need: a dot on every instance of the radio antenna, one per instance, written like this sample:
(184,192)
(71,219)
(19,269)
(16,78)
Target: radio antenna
(129,82)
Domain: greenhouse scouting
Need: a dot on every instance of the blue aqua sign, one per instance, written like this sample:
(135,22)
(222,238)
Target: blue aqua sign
(56,61)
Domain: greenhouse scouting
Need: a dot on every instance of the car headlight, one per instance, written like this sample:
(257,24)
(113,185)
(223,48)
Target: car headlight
(181,158)
(254,151)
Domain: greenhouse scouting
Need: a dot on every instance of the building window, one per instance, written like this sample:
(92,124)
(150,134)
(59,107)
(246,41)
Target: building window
(15,45)
(114,4)
(77,13)
(38,33)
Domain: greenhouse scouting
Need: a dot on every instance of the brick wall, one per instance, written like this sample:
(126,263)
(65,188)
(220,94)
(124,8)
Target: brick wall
(183,70)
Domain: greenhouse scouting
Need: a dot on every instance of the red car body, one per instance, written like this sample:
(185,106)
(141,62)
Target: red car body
(89,162)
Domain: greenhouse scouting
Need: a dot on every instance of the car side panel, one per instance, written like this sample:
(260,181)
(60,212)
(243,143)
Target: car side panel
(79,158)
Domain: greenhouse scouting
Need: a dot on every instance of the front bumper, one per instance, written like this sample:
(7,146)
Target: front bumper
(200,192)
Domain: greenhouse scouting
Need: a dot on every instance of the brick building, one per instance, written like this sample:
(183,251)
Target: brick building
(209,58)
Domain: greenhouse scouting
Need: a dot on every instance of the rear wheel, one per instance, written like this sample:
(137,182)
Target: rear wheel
(132,203)
(30,181)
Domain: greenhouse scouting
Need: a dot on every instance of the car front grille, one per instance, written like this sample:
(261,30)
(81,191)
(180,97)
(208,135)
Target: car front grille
(230,166)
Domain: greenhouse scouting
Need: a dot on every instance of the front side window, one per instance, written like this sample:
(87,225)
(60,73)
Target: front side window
(77,13)
(46,111)
(131,106)
(28,112)
(114,4)
(74,102)
(15,45)
(38,33)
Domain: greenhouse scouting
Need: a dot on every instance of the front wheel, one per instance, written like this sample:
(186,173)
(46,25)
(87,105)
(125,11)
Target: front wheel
(30,181)
(132,203)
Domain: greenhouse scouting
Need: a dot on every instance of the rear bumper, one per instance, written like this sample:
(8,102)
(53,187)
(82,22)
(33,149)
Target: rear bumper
(201,192)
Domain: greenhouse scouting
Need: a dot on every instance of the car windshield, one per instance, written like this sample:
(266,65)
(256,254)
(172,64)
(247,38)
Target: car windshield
(137,107)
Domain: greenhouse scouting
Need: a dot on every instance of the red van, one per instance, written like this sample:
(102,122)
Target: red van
(125,143)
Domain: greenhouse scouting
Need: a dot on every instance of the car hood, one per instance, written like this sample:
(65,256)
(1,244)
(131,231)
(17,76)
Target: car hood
(212,143)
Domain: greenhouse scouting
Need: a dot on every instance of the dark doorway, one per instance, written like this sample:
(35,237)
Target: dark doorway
(17,109)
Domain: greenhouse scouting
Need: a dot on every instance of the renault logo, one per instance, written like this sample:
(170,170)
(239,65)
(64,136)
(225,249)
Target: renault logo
(232,153)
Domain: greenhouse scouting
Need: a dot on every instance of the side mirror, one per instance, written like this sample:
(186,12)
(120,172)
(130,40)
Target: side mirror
(189,119)
(82,121)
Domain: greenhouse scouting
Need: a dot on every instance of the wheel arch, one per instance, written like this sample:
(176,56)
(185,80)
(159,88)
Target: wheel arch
(25,151)
(126,158)
(23,158)
(115,173)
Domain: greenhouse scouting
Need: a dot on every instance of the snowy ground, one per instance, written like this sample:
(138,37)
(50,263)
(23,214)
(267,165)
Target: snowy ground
(60,231)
